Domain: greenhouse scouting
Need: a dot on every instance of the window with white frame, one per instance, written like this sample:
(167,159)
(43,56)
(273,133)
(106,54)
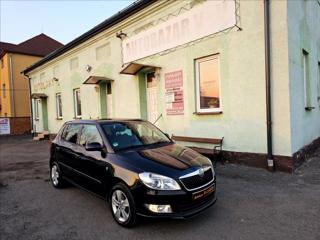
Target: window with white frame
(306,80)
(36,108)
(59,106)
(208,96)
(77,102)
(74,63)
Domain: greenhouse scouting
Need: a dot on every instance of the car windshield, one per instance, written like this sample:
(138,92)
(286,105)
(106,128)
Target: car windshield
(132,134)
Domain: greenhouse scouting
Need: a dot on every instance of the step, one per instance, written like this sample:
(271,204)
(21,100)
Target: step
(45,133)
(36,138)
(40,135)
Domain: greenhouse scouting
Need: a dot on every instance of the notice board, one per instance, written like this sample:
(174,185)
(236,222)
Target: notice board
(174,93)
(4,126)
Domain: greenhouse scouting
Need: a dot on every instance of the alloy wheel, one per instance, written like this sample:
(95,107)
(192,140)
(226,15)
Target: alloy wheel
(120,206)
(55,175)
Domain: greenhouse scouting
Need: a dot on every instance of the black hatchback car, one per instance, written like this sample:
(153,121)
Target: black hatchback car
(136,167)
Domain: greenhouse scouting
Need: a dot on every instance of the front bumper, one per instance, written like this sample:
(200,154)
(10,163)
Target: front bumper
(182,203)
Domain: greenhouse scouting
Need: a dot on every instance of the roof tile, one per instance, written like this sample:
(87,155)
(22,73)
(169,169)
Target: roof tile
(40,45)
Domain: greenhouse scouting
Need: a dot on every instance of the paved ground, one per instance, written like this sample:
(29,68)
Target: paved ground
(253,204)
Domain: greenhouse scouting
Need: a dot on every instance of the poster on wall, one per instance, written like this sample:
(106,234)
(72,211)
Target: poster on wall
(4,126)
(174,93)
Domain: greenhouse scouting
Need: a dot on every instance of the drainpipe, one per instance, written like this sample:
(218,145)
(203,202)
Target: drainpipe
(13,109)
(268,83)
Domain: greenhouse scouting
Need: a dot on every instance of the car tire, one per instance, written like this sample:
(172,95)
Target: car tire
(122,206)
(56,176)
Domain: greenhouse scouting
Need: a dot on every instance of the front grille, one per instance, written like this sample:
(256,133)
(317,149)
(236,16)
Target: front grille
(196,181)
(190,205)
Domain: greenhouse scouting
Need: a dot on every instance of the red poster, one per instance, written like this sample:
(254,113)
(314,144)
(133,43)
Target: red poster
(174,93)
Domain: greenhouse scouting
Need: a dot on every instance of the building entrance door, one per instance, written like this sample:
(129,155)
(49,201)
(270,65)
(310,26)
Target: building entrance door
(152,110)
(109,101)
(44,106)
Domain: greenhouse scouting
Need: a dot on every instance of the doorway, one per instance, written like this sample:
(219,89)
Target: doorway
(152,103)
(109,100)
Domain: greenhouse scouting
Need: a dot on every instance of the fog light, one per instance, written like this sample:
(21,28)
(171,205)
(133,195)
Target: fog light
(159,208)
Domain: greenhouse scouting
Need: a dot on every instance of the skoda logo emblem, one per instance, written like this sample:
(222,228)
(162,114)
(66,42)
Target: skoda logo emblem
(201,172)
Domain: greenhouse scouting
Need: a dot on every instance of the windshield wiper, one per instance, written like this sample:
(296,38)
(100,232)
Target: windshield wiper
(130,147)
(143,145)
(158,142)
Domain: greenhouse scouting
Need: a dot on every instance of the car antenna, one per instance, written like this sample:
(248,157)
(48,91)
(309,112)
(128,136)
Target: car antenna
(157,119)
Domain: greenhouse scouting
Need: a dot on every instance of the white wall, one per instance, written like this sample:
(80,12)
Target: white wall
(303,33)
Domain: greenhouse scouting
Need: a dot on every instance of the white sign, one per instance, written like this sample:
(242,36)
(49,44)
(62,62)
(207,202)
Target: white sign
(201,21)
(4,126)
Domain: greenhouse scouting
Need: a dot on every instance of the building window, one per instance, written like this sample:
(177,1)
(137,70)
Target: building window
(4,94)
(74,63)
(103,52)
(77,103)
(59,106)
(36,108)
(306,80)
(208,96)
(2,63)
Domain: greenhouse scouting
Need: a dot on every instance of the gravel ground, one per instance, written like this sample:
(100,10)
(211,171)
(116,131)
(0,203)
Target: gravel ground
(252,204)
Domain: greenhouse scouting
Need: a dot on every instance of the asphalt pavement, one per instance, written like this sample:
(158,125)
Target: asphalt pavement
(252,204)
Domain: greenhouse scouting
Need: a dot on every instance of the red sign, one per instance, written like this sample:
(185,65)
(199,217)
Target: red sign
(174,93)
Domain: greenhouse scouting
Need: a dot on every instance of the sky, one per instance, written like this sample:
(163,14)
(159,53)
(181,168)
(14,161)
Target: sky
(63,20)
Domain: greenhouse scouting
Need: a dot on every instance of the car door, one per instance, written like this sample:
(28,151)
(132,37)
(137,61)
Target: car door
(93,164)
(69,150)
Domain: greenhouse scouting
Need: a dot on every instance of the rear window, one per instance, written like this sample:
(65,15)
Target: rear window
(71,133)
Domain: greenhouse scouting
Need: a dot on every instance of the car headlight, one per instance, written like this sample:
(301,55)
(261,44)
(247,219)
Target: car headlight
(158,182)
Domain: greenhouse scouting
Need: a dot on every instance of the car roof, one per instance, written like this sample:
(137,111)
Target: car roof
(104,120)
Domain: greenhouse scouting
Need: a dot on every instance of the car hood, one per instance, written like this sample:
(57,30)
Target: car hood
(174,156)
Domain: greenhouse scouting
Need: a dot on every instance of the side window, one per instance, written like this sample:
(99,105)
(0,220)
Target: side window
(72,133)
(64,132)
(90,134)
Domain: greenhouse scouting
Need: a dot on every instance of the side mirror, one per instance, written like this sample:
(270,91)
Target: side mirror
(94,146)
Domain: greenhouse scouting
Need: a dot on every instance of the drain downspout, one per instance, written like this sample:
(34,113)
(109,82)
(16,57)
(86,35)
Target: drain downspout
(268,83)
(13,107)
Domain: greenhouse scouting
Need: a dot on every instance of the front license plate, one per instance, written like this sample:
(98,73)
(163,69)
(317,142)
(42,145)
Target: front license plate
(202,193)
